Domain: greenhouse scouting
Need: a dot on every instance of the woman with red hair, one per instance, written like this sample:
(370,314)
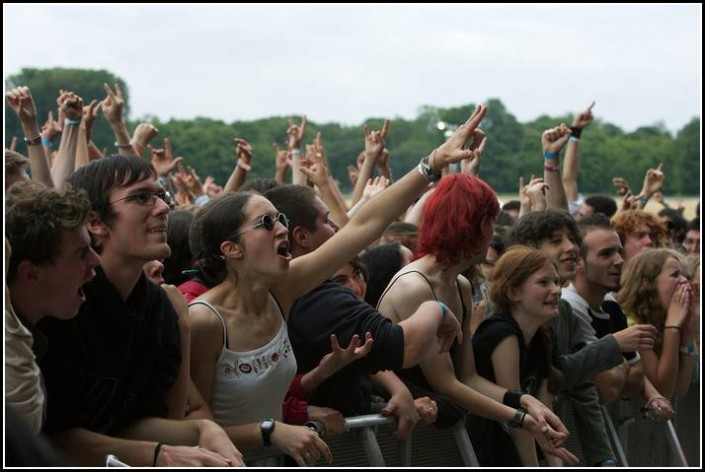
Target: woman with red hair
(456,230)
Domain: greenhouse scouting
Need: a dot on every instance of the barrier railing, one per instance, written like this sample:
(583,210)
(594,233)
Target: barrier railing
(370,443)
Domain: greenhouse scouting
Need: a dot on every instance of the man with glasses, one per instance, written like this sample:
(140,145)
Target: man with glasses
(120,367)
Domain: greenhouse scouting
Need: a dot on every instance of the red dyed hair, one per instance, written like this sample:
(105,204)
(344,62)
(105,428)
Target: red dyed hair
(456,219)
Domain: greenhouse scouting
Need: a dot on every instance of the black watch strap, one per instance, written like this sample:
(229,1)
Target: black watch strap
(266,427)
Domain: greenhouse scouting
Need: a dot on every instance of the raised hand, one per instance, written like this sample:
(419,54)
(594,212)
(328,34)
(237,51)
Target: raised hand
(554,139)
(629,202)
(21,102)
(376,140)
(454,149)
(162,159)
(653,181)
(313,165)
(244,152)
(471,166)
(353,174)
(112,104)
(535,194)
(143,134)
(375,186)
(70,105)
(211,188)
(339,357)
(51,128)
(296,133)
(622,185)
(90,113)
(584,118)
(282,158)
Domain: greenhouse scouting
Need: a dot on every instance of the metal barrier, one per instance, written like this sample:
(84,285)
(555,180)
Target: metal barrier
(370,443)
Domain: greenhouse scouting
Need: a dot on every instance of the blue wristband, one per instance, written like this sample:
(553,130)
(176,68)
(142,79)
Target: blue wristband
(444,309)
(550,155)
(46,142)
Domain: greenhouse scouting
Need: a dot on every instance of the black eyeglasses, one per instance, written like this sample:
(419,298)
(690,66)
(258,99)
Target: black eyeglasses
(148,198)
(267,222)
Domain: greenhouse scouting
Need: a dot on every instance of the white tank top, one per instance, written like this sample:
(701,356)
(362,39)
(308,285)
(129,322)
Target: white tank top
(250,386)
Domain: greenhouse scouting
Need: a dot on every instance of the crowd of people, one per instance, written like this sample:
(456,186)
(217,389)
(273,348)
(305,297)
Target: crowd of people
(170,321)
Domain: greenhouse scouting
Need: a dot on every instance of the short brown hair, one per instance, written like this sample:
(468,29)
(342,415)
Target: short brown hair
(35,217)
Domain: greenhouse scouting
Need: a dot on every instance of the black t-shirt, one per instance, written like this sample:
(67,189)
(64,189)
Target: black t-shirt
(494,447)
(333,309)
(616,322)
(113,363)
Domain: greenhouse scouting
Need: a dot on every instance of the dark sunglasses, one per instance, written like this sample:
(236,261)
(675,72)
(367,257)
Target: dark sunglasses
(267,222)
(148,198)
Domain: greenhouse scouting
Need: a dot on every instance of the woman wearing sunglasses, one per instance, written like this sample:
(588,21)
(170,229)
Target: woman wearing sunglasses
(242,361)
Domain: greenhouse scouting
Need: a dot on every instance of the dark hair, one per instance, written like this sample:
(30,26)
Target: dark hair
(382,263)
(676,225)
(512,205)
(296,202)
(260,185)
(99,177)
(536,227)
(177,237)
(596,220)
(694,224)
(214,223)
(457,219)
(602,204)
(35,217)
(497,243)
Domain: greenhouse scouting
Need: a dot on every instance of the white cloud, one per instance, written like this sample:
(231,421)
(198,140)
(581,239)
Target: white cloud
(641,63)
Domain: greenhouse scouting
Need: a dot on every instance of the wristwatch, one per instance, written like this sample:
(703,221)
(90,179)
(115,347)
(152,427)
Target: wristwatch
(518,420)
(266,427)
(427,171)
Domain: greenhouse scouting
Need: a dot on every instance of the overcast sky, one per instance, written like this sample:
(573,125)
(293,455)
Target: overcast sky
(640,63)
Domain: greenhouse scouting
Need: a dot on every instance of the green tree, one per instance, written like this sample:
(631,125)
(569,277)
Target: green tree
(45,85)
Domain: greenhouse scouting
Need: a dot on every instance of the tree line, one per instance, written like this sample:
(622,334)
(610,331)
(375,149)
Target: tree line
(513,149)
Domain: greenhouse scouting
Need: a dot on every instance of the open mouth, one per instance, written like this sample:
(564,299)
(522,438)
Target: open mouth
(283,250)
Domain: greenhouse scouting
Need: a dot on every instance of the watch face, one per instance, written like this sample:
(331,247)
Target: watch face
(267,424)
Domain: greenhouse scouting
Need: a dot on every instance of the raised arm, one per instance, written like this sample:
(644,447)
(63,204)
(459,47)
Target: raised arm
(71,106)
(316,171)
(112,106)
(244,152)
(374,147)
(553,141)
(571,164)
(282,161)
(306,272)
(296,135)
(21,101)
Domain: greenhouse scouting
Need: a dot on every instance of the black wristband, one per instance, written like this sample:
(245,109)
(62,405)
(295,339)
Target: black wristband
(575,132)
(512,398)
(156,453)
